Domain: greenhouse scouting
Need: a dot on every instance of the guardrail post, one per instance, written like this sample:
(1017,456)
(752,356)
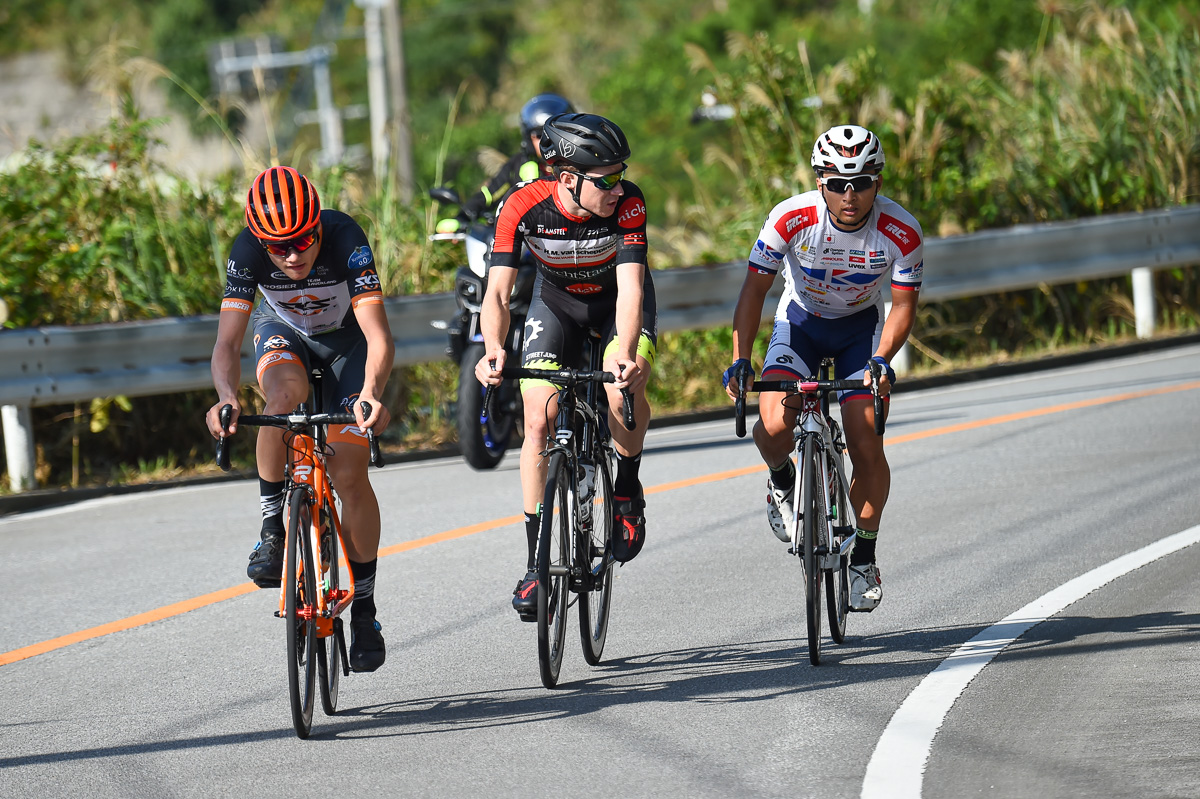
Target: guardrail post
(902,360)
(1143,301)
(18,446)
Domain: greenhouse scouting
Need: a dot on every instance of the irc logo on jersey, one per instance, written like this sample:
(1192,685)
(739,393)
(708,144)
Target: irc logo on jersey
(794,221)
(306,305)
(905,237)
(360,257)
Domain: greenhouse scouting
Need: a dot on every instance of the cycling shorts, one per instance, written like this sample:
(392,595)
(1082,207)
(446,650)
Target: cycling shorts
(340,354)
(800,342)
(558,322)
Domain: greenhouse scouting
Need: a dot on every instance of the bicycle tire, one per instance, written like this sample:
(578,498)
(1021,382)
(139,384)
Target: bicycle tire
(812,528)
(300,587)
(482,444)
(329,652)
(553,566)
(595,555)
(837,581)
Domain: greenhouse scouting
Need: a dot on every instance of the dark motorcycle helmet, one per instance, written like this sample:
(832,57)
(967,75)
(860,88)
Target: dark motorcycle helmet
(585,141)
(540,108)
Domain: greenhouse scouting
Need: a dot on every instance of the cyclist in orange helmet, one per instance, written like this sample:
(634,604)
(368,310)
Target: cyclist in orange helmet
(322,305)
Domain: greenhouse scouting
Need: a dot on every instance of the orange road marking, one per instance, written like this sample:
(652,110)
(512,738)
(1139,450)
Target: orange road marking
(246,588)
(124,624)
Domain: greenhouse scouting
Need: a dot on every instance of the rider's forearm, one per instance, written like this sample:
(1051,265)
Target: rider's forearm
(380,359)
(226,372)
(896,328)
(629,320)
(747,316)
(494,321)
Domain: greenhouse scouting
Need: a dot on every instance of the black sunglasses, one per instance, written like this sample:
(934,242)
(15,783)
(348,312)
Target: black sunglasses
(858,183)
(603,182)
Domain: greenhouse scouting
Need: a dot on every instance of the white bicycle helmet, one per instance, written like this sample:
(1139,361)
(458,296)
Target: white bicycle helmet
(847,150)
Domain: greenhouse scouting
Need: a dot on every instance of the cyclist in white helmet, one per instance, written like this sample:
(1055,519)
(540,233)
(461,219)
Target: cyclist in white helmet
(836,246)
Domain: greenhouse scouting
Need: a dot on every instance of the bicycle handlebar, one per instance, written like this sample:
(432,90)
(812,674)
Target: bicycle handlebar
(566,378)
(294,421)
(805,386)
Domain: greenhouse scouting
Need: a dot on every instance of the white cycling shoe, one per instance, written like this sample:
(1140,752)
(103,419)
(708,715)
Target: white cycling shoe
(779,510)
(865,590)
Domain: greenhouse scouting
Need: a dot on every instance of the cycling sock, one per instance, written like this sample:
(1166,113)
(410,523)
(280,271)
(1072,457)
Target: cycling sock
(270,500)
(364,588)
(626,485)
(532,523)
(784,475)
(864,548)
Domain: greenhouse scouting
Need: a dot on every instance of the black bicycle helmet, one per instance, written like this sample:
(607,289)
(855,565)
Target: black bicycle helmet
(585,141)
(540,108)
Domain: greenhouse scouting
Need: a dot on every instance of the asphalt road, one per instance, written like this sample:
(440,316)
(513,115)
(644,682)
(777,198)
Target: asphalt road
(1003,493)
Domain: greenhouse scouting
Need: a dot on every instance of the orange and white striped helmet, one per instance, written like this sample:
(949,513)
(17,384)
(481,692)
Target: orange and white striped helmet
(282,205)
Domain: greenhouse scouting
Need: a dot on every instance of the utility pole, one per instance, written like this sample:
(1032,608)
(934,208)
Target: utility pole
(400,132)
(376,86)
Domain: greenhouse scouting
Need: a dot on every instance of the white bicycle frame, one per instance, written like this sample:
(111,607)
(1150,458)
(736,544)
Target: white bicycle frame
(811,423)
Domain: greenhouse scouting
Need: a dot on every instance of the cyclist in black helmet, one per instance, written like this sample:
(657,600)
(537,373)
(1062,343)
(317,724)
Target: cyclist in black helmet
(586,228)
(527,164)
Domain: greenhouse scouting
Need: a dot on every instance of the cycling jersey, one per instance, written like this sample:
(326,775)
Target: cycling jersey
(576,254)
(342,277)
(830,272)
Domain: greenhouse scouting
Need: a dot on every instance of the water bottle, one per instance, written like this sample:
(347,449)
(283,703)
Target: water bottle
(326,539)
(587,489)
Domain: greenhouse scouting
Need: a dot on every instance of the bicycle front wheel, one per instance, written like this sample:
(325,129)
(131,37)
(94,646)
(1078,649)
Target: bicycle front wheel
(813,528)
(300,591)
(837,585)
(595,555)
(553,569)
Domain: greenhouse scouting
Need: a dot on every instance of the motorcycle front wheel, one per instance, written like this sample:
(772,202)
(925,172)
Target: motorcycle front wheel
(483,443)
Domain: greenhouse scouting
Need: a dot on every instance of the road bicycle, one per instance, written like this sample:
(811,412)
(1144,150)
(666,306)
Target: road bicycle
(311,595)
(822,525)
(574,550)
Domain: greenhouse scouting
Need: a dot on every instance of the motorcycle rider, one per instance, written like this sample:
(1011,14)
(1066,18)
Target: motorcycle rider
(527,164)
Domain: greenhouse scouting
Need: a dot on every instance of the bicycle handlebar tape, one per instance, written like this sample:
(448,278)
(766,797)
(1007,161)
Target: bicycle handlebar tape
(739,415)
(372,439)
(226,413)
(627,406)
(876,373)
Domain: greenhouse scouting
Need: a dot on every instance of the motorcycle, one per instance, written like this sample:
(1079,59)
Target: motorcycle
(482,438)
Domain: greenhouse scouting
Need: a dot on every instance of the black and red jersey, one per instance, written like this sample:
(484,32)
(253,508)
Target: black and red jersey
(342,277)
(576,254)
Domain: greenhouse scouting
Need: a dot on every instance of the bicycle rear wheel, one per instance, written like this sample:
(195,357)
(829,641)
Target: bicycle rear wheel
(330,648)
(814,524)
(596,527)
(837,585)
(553,567)
(300,591)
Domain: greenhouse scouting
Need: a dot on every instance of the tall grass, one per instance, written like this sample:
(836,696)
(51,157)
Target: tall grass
(1098,115)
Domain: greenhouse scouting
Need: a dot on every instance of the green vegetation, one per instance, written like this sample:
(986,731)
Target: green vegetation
(991,114)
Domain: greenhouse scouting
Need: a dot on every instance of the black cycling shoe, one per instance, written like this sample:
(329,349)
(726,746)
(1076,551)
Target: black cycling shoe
(266,561)
(367,651)
(525,597)
(629,528)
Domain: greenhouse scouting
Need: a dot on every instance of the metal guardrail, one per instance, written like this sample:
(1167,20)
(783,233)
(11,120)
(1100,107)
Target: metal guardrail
(54,365)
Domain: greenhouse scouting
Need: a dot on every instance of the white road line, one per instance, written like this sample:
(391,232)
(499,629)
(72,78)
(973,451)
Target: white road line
(897,767)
